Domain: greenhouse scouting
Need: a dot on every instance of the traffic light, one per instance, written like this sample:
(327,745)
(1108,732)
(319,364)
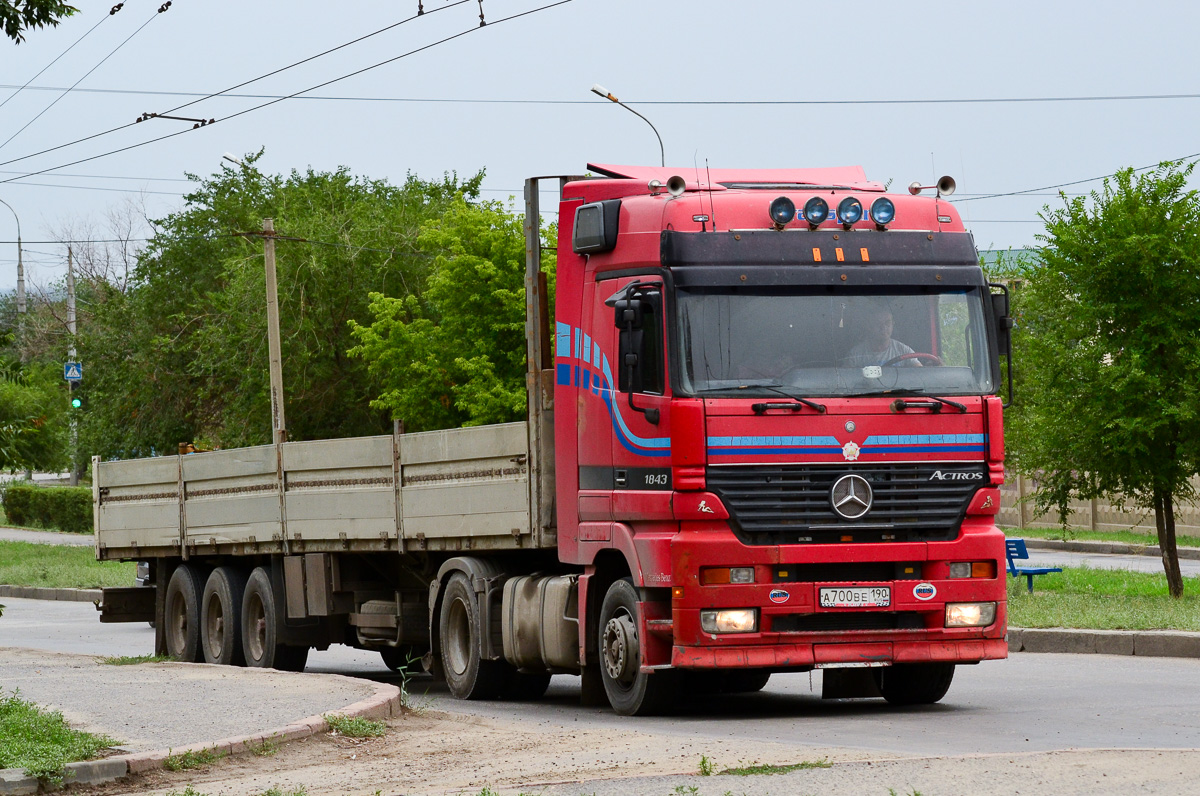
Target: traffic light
(76,395)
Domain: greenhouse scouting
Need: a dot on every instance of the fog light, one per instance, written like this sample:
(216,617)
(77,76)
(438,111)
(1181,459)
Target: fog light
(816,210)
(782,211)
(850,211)
(735,620)
(973,569)
(883,211)
(960,569)
(970,614)
(741,575)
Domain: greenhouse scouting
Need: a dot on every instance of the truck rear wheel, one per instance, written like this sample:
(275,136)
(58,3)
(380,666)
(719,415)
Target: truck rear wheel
(468,676)
(182,614)
(914,683)
(221,617)
(260,628)
(631,692)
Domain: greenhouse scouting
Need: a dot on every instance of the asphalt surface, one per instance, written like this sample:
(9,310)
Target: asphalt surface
(47,537)
(1030,702)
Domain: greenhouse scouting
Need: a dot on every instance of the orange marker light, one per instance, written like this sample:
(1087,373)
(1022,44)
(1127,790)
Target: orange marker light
(816,255)
(866,256)
(677,592)
(840,255)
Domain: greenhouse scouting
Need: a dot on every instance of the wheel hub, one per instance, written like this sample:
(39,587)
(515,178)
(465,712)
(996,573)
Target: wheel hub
(620,653)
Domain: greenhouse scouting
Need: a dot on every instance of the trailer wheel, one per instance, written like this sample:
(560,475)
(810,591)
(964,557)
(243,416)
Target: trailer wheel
(260,628)
(182,614)
(914,683)
(631,692)
(221,617)
(468,676)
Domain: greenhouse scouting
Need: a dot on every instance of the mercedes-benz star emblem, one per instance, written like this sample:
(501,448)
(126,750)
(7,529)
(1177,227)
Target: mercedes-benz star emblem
(851,496)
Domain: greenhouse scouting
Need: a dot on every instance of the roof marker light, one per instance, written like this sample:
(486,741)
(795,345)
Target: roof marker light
(782,211)
(883,212)
(850,211)
(816,210)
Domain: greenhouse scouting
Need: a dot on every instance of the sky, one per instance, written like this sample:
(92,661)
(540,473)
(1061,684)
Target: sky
(908,90)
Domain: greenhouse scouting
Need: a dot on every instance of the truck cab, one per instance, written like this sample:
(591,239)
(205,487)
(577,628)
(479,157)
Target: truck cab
(778,441)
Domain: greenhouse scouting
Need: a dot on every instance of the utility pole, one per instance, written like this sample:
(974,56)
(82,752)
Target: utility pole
(20,287)
(278,423)
(71,358)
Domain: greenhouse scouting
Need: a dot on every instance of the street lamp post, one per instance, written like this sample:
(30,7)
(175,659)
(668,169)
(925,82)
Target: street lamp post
(603,92)
(20,285)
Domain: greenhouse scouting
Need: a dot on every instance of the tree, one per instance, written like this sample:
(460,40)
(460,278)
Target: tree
(16,16)
(32,416)
(178,352)
(1109,403)
(455,355)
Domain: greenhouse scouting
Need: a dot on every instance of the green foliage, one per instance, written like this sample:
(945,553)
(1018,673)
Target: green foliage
(355,726)
(69,509)
(134,660)
(455,354)
(1109,339)
(1135,538)
(192,759)
(33,428)
(766,768)
(182,354)
(40,741)
(706,766)
(17,16)
(60,567)
(1103,599)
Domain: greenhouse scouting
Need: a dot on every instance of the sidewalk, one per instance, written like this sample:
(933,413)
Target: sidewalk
(157,709)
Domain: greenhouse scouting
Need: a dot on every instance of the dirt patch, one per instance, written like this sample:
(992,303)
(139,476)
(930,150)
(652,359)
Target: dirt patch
(438,753)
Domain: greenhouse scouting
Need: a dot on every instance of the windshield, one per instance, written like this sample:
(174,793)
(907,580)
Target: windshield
(814,341)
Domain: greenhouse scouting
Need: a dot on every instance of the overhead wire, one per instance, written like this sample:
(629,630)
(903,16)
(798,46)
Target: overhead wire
(156,14)
(21,88)
(231,88)
(1073,182)
(245,111)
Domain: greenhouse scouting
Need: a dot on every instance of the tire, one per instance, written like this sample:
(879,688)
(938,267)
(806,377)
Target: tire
(182,614)
(468,676)
(914,683)
(745,681)
(631,692)
(260,628)
(221,617)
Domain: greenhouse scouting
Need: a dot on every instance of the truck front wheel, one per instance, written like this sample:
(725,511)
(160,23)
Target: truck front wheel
(631,692)
(260,628)
(468,676)
(914,683)
(182,612)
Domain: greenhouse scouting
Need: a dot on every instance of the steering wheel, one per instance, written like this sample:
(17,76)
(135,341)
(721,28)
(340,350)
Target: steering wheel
(933,358)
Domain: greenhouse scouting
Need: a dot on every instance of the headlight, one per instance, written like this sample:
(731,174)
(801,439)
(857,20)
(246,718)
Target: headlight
(714,576)
(735,620)
(970,614)
(850,211)
(973,569)
(883,211)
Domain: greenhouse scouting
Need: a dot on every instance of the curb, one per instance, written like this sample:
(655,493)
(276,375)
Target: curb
(1143,643)
(385,703)
(1110,548)
(43,593)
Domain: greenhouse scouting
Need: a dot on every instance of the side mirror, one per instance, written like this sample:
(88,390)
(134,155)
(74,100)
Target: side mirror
(630,315)
(1004,326)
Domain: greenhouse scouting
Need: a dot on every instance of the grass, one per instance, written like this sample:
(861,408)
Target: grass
(356,727)
(1101,599)
(188,791)
(190,760)
(300,791)
(40,742)
(61,567)
(133,660)
(265,749)
(706,766)
(748,771)
(1128,537)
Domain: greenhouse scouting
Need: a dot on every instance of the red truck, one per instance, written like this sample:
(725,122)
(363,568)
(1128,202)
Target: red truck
(763,437)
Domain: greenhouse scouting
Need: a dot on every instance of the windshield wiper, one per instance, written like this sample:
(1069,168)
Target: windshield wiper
(900,403)
(762,407)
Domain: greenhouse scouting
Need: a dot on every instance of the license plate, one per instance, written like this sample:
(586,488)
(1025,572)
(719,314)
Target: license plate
(856,597)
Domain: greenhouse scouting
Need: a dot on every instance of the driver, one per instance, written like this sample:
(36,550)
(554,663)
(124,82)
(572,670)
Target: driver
(877,346)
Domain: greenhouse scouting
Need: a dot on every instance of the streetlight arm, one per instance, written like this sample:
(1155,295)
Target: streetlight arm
(600,90)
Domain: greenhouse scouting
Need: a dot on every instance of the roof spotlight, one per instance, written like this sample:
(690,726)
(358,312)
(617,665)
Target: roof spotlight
(850,211)
(883,211)
(816,210)
(782,210)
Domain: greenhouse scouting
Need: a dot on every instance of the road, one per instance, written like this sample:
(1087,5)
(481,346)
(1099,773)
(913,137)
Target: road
(1029,703)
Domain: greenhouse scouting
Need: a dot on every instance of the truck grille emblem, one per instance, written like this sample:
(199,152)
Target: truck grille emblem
(851,496)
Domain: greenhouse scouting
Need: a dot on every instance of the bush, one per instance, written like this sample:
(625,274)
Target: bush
(66,508)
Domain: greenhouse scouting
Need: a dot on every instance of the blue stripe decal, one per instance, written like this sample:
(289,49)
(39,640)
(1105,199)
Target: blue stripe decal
(899,443)
(563,347)
(925,439)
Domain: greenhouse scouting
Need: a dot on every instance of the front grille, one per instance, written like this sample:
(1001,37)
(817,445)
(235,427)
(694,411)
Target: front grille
(826,622)
(790,504)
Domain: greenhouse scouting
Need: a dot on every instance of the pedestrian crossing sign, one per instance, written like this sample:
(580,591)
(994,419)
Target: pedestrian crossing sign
(73,371)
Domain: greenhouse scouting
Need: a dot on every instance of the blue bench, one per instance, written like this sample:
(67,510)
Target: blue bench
(1015,549)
